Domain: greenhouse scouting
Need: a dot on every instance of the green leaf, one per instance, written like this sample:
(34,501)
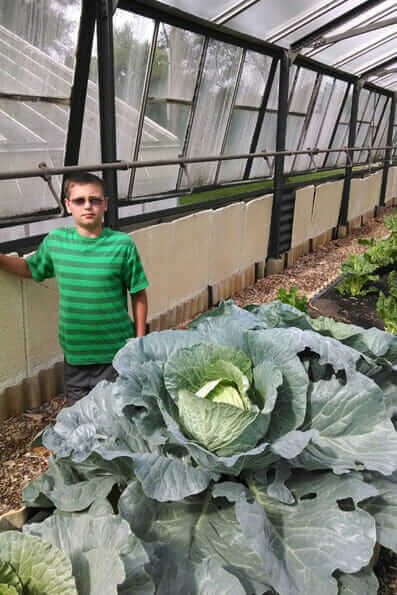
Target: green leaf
(83,536)
(354,431)
(302,545)
(40,567)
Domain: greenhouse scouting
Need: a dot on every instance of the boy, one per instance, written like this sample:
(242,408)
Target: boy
(94,267)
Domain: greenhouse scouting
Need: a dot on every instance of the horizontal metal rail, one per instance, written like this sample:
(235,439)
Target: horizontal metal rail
(124,165)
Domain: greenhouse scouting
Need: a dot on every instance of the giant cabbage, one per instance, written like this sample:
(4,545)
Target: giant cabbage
(256,448)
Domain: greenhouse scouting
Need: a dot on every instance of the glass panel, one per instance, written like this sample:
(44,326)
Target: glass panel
(50,26)
(381,137)
(265,18)
(362,140)
(30,133)
(267,141)
(132,40)
(253,80)
(347,107)
(375,54)
(362,103)
(213,107)
(165,142)
(238,141)
(303,90)
(294,129)
(331,115)
(272,102)
(206,10)
(176,63)
(323,119)
(340,140)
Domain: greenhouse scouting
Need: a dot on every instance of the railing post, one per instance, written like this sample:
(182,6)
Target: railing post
(107,108)
(349,162)
(282,116)
(388,152)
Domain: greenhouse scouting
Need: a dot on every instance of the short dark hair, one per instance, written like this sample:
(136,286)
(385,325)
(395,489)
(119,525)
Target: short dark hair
(81,178)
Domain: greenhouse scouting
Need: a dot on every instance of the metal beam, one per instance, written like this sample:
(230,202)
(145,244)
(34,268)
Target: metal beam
(107,109)
(356,31)
(389,152)
(311,38)
(375,69)
(349,162)
(233,11)
(80,82)
(281,136)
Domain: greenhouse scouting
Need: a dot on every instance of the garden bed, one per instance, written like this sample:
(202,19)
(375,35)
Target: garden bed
(360,310)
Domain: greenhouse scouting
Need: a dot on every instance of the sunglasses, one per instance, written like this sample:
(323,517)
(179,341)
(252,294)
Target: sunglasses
(94,201)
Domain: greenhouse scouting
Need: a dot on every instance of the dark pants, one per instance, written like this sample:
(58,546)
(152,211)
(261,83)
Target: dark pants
(79,380)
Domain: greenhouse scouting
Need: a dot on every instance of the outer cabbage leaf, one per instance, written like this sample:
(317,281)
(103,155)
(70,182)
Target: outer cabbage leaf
(179,576)
(195,529)
(40,567)
(301,546)
(225,314)
(83,535)
(384,508)
(354,431)
(62,486)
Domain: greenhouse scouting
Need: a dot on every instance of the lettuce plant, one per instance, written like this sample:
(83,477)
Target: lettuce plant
(386,307)
(292,298)
(254,451)
(358,271)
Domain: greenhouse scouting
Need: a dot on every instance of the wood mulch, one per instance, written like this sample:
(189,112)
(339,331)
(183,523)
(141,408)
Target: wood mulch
(19,464)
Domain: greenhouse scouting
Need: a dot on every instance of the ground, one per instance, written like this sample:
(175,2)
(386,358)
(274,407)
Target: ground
(19,464)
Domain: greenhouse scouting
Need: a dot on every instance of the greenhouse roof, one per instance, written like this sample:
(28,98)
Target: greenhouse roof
(355,36)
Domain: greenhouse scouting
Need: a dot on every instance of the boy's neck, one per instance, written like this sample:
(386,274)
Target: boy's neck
(89,233)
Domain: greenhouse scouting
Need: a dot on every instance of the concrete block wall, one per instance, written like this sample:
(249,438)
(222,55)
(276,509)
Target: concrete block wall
(183,259)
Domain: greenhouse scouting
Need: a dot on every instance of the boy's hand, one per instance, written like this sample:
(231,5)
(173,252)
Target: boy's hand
(15,265)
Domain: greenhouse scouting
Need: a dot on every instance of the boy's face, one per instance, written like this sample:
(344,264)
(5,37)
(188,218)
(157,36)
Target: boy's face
(87,204)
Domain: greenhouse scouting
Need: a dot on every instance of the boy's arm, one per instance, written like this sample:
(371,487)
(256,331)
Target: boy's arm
(15,265)
(139,309)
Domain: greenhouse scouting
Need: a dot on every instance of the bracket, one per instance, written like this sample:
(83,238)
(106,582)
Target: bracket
(47,178)
(185,171)
(312,153)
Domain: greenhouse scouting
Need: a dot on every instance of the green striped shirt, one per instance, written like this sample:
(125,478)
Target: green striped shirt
(93,277)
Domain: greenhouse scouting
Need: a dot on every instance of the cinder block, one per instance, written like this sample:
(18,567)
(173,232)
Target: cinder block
(275,265)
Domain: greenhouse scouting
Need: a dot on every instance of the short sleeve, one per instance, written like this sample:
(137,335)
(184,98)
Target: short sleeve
(134,275)
(40,263)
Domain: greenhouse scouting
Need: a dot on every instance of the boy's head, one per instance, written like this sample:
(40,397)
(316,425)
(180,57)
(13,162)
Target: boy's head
(86,201)
(82,178)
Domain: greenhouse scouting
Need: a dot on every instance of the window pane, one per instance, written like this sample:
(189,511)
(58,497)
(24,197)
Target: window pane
(166,142)
(266,142)
(253,80)
(340,140)
(36,38)
(238,141)
(176,63)
(294,129)
(213,107)
(303,90)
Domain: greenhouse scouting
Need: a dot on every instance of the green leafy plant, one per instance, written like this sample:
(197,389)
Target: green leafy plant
(390,222)
(358,271)
(381,253)
(386,307)
(234,445)
(291,297)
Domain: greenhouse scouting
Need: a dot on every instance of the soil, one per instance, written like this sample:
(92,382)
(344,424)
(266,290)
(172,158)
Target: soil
(313,273)
(359,310)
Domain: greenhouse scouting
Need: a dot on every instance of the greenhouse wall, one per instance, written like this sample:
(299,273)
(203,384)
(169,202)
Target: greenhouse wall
(220,250)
